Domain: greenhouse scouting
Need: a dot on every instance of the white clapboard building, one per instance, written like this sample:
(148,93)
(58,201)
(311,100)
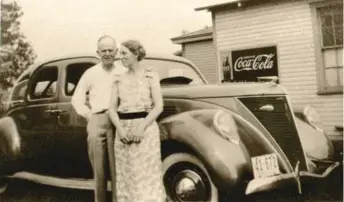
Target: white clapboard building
(299,41)
(198,47)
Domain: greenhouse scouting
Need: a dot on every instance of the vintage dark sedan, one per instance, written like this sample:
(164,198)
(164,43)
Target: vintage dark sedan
(217,140)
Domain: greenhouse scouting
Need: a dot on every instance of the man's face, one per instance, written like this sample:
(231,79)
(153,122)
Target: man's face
(107,51)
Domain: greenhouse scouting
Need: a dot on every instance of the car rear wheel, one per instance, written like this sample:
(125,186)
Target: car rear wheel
(186,179)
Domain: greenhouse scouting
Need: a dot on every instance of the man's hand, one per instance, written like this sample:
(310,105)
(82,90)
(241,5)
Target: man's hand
(88,116)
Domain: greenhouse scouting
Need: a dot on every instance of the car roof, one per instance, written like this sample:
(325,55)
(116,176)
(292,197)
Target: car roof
(158,56)
(94,55)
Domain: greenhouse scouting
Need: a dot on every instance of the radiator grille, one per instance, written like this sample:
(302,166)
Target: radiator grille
(279,122)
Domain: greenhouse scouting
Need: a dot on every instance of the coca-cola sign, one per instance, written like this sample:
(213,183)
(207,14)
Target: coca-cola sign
(249,64)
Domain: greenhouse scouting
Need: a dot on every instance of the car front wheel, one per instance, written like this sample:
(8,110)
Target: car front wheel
(3,185)
(186,179)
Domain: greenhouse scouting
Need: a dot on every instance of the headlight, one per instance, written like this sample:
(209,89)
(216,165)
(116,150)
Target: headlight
(312,117)
(225,125)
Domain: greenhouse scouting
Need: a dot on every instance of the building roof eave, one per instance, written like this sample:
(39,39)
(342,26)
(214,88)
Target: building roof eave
(202,34)
(181,40)
(214,6)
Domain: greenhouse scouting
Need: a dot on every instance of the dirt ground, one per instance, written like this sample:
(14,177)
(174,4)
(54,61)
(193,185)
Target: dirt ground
(20,191)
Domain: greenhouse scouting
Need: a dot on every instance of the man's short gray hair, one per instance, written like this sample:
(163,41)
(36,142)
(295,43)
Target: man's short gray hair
(106,37)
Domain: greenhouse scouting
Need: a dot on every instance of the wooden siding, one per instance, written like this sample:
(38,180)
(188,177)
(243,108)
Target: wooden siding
(289,26)
(203,54)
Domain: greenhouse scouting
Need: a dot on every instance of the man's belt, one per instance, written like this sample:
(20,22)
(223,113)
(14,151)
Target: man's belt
(101,112)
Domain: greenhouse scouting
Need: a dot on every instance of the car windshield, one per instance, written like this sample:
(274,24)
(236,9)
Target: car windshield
(174,72)
(19,89)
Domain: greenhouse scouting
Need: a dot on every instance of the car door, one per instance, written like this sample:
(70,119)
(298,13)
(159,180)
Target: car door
(36,119)
(71,128)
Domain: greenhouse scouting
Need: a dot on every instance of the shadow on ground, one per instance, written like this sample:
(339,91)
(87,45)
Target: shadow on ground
(323,191)
(22,191)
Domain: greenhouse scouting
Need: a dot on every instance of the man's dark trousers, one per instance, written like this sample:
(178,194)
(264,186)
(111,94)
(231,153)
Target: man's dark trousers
(100,141)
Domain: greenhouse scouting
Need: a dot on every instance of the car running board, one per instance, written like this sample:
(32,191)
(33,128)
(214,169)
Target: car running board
(71,183)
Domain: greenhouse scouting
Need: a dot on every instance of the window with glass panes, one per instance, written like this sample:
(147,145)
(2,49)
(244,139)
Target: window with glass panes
(331,31)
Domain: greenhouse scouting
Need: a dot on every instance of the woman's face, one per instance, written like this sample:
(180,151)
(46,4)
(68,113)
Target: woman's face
(127,57)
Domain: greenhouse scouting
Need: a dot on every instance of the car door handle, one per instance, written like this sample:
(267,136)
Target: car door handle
(56,111)
(50,110)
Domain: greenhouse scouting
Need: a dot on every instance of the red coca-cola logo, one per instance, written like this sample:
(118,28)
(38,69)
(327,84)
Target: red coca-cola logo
(254,62)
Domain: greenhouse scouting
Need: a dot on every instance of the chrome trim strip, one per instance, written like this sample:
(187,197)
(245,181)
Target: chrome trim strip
(293,115)
(75,183)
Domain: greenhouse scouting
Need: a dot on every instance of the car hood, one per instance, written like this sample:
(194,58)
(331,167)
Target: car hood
(222,90)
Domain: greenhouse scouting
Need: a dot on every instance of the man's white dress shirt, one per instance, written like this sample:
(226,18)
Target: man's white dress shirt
(98,82)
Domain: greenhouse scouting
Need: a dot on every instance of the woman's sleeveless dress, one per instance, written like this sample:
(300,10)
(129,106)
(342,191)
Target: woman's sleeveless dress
(138,166)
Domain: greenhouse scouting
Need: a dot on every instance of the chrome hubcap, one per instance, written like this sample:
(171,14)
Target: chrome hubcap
(187,185)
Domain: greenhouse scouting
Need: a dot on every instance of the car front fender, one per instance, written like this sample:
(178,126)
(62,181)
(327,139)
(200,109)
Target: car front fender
(226,162)
(10,145)
(315,142)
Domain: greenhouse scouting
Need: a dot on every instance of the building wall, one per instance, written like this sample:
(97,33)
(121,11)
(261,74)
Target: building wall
(289,26)
(203,54)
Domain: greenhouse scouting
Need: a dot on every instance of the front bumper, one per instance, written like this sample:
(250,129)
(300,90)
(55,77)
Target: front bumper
(281,180)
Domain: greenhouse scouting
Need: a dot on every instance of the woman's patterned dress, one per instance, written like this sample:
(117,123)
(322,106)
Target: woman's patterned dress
(138,166)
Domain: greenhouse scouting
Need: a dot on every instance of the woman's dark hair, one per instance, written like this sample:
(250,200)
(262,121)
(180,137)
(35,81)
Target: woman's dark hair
(136,48)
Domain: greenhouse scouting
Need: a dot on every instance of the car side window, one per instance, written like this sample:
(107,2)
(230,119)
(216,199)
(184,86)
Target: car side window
(44,83)
(73,74)
(173,72)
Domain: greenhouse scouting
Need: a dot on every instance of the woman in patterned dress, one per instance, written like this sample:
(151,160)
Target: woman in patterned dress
(135,105)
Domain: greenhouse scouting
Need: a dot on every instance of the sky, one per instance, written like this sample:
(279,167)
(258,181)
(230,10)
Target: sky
(56,27)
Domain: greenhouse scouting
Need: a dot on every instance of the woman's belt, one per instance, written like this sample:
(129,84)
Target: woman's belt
(133,115)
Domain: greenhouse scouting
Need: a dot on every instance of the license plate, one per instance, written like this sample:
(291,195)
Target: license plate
(265,165)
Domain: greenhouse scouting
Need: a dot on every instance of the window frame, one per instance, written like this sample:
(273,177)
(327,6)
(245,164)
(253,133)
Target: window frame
(32,82)
(65,63)
(65,86)
(323,89)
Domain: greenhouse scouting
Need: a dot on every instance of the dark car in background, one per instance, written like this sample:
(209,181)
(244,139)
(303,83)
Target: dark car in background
(216,139)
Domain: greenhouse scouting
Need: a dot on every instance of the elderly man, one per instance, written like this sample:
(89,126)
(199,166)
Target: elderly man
(98,81)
